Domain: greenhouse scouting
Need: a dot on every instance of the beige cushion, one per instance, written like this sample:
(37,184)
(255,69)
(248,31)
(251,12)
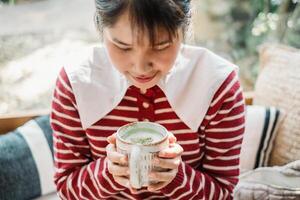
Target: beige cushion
(278,85)
(271,183)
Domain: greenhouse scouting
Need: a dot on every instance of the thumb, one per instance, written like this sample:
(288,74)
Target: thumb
(112,139)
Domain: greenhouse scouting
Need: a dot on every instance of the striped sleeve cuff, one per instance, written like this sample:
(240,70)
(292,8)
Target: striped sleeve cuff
(109,179)
(176,182)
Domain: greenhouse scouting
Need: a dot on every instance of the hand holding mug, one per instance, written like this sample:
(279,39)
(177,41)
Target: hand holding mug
(168,161)
(131,153)
(118,164)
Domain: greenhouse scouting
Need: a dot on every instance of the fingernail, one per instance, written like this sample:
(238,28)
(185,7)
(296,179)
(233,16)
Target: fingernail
(110,140)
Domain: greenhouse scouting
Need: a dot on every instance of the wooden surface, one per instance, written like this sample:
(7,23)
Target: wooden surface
(249,97)
(9,122)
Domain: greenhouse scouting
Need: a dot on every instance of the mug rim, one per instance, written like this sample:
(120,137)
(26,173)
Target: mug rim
(151,144)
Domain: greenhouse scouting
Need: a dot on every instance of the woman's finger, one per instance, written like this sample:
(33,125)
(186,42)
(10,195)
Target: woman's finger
(171,152)
(162,176)
(124,181)
(117,170)
(167,163)
(115,156)
(156,186)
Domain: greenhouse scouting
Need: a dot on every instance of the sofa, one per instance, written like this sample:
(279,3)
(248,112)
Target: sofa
(270,155)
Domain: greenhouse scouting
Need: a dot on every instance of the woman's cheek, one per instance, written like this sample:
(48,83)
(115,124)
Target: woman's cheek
(118,58)
(166,59)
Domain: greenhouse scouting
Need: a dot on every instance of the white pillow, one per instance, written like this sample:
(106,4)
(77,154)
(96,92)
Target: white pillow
(260,130)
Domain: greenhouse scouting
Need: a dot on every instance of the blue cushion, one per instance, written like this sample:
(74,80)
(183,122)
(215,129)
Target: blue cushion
(26,161)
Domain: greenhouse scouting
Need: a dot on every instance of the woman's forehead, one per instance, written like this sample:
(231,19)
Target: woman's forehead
(140,38)
(124,30)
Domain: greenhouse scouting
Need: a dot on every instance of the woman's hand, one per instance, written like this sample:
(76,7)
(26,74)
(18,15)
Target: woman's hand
(169,159)
(118,164)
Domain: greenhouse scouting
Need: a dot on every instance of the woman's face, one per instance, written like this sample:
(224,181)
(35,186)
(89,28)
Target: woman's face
(142,64)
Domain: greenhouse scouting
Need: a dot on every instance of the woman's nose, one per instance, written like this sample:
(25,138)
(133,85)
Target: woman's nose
(143,64)
(143,69)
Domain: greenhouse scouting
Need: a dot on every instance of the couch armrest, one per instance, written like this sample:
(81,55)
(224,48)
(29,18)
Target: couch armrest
(9,122)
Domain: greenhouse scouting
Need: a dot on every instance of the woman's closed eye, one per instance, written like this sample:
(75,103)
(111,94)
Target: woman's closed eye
(159,47)
(123,48)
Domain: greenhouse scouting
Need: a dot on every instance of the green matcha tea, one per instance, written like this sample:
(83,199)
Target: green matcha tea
(143,136)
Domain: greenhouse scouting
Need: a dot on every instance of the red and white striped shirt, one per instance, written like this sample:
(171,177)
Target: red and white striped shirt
(210,166)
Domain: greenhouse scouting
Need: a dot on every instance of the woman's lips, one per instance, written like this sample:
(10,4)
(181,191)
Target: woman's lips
(143,79)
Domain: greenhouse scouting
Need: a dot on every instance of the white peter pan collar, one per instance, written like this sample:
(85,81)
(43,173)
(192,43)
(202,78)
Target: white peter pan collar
(189,87)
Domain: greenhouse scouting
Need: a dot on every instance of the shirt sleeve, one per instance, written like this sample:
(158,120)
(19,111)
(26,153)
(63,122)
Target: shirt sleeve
(77,175)
(223,127)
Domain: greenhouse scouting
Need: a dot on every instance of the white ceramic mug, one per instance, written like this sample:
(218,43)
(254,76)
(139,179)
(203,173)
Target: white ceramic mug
(141,142)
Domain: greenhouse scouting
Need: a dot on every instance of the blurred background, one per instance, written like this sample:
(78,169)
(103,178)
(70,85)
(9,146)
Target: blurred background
(38,36)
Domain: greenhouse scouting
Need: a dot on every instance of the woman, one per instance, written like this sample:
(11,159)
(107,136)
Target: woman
(143,72)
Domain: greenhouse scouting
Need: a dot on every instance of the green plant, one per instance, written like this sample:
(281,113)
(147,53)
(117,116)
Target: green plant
(259,21)
(8,1)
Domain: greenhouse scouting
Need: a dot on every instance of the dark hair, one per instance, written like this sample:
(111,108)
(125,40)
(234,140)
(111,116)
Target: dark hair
(147,15)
